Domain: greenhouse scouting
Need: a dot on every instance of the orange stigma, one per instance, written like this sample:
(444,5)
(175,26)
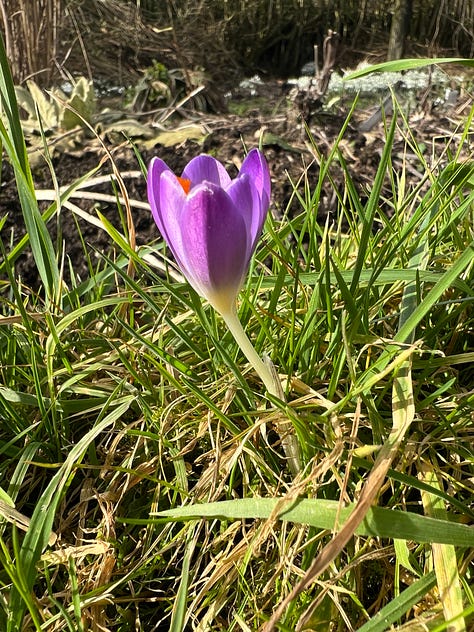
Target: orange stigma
(185,183)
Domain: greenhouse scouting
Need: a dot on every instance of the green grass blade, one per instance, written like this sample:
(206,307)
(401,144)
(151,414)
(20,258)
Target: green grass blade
(447,280)
(178,618)
(398,65)
(323,514)
(394,610)
(14,144)
(372,205)
(444,558)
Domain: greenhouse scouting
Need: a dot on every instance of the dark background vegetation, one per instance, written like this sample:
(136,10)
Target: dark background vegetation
(151,56)
(223,40)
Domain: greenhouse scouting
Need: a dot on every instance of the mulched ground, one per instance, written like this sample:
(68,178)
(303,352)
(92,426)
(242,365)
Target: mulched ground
(286,148)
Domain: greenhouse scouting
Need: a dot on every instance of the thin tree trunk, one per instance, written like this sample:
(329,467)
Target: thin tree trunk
(399,28)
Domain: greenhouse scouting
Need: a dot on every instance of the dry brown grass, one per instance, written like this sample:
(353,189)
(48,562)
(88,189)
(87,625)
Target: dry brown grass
(115,40)
(32,35)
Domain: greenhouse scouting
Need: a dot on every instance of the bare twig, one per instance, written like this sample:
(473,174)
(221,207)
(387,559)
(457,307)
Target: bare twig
(307,100)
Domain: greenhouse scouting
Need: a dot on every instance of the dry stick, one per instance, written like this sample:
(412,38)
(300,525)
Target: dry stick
(367,496)
(6,30)
(20,520)
(116,172)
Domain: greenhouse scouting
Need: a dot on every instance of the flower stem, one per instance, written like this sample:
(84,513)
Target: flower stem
(272,383)
(235,327)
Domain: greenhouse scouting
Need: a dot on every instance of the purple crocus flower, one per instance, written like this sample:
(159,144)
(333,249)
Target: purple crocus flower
(210,222)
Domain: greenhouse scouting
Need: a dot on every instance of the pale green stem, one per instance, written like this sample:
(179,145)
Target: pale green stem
(271,382)
(235,327)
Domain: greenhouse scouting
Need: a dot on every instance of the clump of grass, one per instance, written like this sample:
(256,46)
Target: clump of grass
(142,460)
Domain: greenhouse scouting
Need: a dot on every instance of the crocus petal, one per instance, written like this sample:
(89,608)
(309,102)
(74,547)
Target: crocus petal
(256,167)
(210,222)
(157,167)
(215,240)
(206,168)
(247,200)
(166,206)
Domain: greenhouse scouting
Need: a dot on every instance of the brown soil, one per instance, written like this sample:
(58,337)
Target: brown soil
(286,147)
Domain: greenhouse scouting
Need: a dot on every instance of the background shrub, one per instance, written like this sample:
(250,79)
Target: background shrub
(113,40)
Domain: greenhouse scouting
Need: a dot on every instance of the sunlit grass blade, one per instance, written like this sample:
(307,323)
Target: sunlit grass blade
(445,282)
(444,557)
(398,65)
(323,514)
(367,220)
(178,618)
(14,144)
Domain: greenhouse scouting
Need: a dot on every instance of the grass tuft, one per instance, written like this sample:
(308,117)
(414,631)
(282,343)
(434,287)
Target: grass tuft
(144,485)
